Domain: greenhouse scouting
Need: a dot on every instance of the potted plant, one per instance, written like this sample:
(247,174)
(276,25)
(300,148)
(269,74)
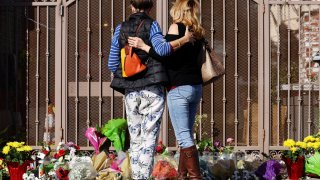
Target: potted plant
(294,158)
(17,157)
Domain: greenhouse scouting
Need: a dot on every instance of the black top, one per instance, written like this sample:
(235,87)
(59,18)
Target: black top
(155,73)
(182,66)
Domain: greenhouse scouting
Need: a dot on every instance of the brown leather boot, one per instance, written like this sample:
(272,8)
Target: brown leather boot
(182,169)
(191,162)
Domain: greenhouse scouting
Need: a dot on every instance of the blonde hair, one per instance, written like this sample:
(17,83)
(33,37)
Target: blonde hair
(187,12)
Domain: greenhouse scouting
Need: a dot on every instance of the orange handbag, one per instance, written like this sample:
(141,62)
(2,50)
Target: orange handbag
(130,61)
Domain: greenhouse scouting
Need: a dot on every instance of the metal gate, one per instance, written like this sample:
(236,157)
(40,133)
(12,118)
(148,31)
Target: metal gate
(292,69)
(269,92)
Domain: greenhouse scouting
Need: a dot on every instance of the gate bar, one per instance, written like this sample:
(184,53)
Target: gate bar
(249,74)
(212,87)
(111,74)
(309,78)
(201,99)
(88,67)
(299,91)
(47,75)
(27,75)
(100,64)
(76,56)
(37,77)
(224,100)
(289,74)
(236,72)
(278,73)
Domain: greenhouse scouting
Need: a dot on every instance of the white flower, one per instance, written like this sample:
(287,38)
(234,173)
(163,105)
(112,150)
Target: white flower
(52,173)
(25,176)
(60,145)
(72,151)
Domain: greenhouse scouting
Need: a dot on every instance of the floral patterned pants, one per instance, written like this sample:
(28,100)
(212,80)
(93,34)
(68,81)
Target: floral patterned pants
(144,108)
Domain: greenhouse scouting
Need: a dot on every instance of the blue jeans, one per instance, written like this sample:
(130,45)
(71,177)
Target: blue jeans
(182,103)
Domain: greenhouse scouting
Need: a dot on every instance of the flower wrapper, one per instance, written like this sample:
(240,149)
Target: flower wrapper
(165,167)
(82,171)
(269,170)
(312,164)
(222,167)
(101,163)
(125,167)
(115,131)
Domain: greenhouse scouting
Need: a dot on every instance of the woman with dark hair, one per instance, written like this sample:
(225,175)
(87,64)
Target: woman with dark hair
(185,82)
(144,92)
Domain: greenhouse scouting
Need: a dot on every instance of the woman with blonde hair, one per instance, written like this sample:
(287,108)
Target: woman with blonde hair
(185,82)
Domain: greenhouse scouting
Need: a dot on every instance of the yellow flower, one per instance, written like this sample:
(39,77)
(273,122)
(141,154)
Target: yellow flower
(1,161)
(293,149)
(308,139)
(302,145)
(27,148)
(6,150)
(310,145)
(316,145)
(20,149)
(15,144)
(289,143)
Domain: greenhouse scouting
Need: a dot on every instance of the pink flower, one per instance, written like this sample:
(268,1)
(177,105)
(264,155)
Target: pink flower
(230,140)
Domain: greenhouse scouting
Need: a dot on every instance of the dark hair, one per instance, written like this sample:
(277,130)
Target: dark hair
(142,4)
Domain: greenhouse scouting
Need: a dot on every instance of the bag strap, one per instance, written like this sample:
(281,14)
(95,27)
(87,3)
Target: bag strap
(138,28)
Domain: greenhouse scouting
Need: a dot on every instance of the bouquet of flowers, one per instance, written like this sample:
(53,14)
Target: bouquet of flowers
(216,160)
(112,165)
(165,165)
(95,138)
(65,153)
(164,170)
(82,168)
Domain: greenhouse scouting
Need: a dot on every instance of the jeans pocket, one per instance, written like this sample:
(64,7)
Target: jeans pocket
(186,92)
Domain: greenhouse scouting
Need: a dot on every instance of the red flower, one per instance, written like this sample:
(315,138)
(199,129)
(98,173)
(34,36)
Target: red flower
(159,149)
(112,156)
(60,153)
(62,174)
(45,152)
